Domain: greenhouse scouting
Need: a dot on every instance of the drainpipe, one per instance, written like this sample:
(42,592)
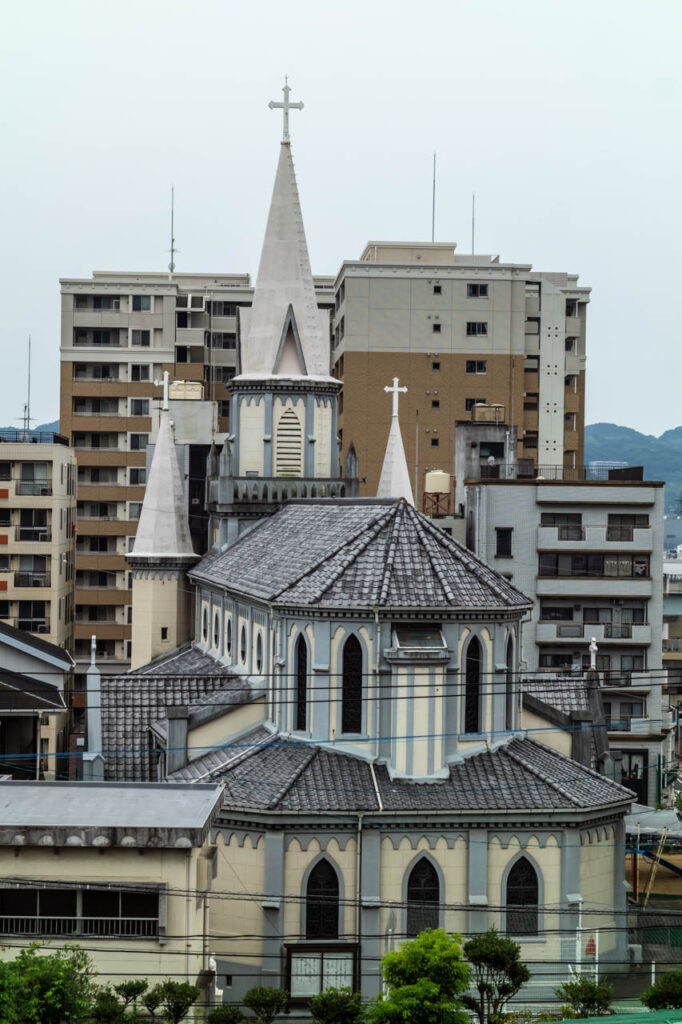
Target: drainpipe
(377,697)
(358,883)
(188,905)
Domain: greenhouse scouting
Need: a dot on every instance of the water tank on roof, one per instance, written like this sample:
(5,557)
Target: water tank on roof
(437,482)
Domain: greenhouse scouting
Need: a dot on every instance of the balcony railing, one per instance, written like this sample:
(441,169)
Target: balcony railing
(141,927)
(95,412)
(673,645)
(34,487)
(31,625)
(617,631)
(39,534)
(619,532)
(94,377)
(571,532)
(32,579)
(569,629)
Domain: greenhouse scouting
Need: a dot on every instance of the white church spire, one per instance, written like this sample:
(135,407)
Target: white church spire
(395,478)
(163,529)
(284,333)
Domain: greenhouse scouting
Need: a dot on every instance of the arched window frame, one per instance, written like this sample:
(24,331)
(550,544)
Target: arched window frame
(304,897)
(423,855)
(481,686)
(229,637)
(539,936)
(509,701)
(300,638)
(217,630)
(363,687)
(204,623)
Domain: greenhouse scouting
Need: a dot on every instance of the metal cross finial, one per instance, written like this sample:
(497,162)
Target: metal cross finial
(158,384)
(285,107)
(593,648)
(395,391)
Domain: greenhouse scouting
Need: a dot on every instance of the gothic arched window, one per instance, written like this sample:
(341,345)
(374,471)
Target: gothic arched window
(289,445)
(351,686)
(522,899)
(423,897)
(322,902)
(301,680)
(472,687)
(509,686)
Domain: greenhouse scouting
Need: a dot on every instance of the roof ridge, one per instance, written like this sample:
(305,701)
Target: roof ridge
(294,778)
(390,554)
(371,534)
(541,775)
(468,559)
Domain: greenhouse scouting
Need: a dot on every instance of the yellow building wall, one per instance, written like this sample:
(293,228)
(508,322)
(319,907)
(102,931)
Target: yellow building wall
(296,863)
(597,884)
(548,860)
(215,732)
(159,602)
(544,732)
(251,432)
(235,903)
(323,441)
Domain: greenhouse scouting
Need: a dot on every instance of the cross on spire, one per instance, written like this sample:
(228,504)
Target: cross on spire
(395,391)
(285,107)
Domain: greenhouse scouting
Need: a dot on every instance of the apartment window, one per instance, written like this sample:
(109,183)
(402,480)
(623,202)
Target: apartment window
(469,403)
(313,968)
(139,442)
(98,544)
(219,308)
(435,403)
(504,542)
(552,563)
(102,302)
(437,289)
(5,470)
(223,408)
(621,525)
(134,509)
(223,373)
(477,327)
(477,291)
(142,303)
(71,911)
(101,337)
(530,440)
(435,366)
(141,338)
(139,372)
(436,328)
(435,442)
(556,613)
(476,366)
(139,406)
(138,476)
(221,339)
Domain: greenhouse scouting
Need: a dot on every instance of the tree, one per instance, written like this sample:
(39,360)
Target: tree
(111,1006)
(585,997)
(173,998)
(225,1015)
(337,1006)
(498,973)
(265,1003)
(666,993)
(49,988)
(426,978)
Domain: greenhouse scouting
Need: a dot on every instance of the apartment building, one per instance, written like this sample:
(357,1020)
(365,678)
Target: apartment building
(590,553)
(458,330)
(37,526)
(119,333)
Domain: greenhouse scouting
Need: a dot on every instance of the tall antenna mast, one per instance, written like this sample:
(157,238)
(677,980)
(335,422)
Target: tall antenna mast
(433,202)
(473,221)
(173,250)
(27,404)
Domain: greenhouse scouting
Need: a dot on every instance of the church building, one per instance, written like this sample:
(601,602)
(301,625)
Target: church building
(350,675)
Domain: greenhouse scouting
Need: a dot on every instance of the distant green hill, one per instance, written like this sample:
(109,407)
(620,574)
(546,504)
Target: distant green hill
(660,456)
(53,427)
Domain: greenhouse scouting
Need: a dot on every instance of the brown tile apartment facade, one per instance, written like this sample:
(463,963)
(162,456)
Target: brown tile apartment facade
(457,330)
(119,332)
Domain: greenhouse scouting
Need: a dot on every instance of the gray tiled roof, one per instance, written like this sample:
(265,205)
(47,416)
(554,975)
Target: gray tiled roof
(278,774)
(564,693)
(19,692)
(132,702)
(357,553)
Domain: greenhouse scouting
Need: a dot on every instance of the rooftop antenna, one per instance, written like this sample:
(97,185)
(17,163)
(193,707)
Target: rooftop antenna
(172,250)
(473,221)
(26,418)
(433,202)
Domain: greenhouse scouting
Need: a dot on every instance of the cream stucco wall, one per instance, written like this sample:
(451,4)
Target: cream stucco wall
(597,855)
(323,440)
(541,730)
(251,431)
(235,911)
(218,730)
(160,601)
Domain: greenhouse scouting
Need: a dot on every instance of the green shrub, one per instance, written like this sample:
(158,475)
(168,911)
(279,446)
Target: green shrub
(666,993)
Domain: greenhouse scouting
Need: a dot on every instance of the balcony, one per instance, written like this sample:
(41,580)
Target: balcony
(637,634)
(594,538)
(190,336)
(34,624)
(32,579)
(573,326)
(628,724)
(36,488)
(131,927)
(34,534)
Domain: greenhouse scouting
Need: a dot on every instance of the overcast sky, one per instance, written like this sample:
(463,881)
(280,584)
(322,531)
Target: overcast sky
(562,115)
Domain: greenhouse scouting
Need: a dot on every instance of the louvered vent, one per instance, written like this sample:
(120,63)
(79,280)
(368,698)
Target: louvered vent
(288,456)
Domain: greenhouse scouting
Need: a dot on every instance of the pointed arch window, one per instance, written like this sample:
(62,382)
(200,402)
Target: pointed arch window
(472,687)
(301,681)
(289,445)
(522,899)
(351,686)
(322,902)
(509,686)
(423,898)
